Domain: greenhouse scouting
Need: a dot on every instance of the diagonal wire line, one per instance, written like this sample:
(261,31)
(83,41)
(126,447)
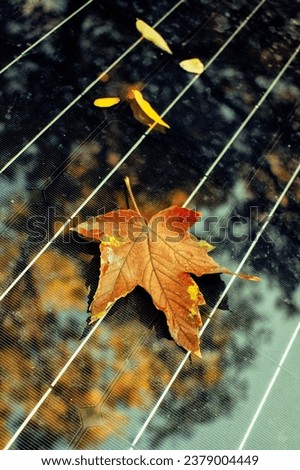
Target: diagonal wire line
(243,125)
(212,60)
(222,296)
(71,359)
(62,228)
(14,61)
(43,398)
(131,150)
(269,388)
(76,352)
(49,390)
(65,225)
(50,179)
(86,90)
(103,181)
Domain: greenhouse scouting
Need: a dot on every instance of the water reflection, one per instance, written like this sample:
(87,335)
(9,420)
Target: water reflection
(106,394)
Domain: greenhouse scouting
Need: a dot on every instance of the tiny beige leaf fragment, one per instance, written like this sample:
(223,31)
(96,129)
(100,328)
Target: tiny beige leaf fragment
(192,65)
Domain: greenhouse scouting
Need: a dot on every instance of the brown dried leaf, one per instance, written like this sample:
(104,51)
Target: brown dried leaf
(158,255)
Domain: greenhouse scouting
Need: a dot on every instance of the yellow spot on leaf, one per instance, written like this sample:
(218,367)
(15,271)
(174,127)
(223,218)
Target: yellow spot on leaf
(112,241)
(193,311)
(97,315)
(106,102)
(152,35)
(206,245)
(147,108)
(193,291)
(192,65)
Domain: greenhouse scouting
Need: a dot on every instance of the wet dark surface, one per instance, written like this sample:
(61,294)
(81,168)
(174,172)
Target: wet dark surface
(57,148)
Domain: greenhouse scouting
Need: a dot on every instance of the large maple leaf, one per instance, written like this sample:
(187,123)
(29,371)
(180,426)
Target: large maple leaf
(158,255)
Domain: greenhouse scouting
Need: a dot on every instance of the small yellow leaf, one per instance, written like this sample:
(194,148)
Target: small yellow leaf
(106,102)
(197,353)
(147,108)
(142,117)
(192,65)
(206,245)
(152,35)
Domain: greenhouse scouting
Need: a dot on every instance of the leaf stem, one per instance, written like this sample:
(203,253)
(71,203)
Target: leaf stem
(128,186)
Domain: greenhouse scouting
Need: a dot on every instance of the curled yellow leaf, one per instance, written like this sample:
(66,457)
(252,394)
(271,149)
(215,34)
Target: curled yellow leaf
(106,102)
(147,108)
(152,35)
(192,65)
(142,117)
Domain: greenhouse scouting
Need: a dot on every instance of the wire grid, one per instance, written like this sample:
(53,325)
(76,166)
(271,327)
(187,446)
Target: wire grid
(134,147)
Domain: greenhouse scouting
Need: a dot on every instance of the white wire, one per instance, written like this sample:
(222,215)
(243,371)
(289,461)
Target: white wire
(246,256)
(66,224)
(168,13)
(108,176)
(44,37)
(269,388)
(50,388)
(212,60)
(244,123)
(83,93)
(69,106)
(131,150)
